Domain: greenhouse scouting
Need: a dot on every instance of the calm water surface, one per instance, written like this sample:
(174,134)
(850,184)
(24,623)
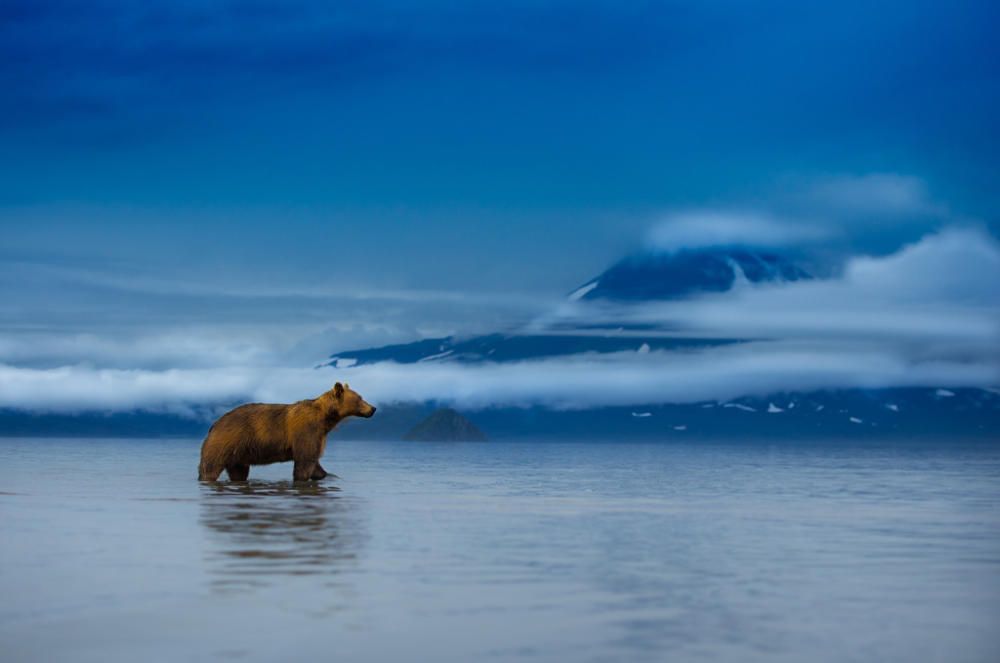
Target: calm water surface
(111,550)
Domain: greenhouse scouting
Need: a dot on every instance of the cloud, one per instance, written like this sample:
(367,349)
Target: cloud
(882,194)
(926,316)
(935,295)
(193,347)
(574,382)
(959,264)
(125,317)
(645,378)
(871,212)
(708,228)
(117,64)
(166,285)
(82,388)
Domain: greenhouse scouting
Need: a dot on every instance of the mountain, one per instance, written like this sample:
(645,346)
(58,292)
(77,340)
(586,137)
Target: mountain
(445,425)
(646,277)
(849,414)
(853,413)
(639,277)
(516,347)
(657,276)
(18,423)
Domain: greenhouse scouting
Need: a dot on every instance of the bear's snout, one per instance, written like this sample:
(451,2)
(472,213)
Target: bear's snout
(371,411)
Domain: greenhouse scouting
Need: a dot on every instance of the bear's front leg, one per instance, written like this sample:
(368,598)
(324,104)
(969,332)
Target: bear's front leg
(304,469)
(319,473)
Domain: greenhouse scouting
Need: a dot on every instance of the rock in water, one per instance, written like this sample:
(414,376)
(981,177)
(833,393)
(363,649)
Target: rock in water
(445,425)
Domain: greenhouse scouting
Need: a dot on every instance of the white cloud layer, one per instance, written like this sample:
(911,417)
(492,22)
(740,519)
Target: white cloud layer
(928,315)
(941,291)
(580,381)
(874,193)
(874,212)
(707,228)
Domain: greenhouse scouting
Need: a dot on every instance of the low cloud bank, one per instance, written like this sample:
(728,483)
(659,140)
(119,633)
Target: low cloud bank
(574,382)
(938,293)
(873,213)
(708,228)
(928,316)
(637,379)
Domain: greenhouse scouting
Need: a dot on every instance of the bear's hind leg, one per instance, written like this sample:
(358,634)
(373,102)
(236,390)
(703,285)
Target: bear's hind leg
(304,470)
(238,472)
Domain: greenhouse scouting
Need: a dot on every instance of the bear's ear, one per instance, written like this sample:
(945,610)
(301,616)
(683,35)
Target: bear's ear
(347,386)
(338,390)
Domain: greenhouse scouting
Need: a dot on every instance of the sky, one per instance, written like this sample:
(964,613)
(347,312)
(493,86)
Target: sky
(246,187)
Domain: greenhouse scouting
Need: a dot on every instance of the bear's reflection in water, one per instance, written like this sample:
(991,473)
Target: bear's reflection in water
(261,531)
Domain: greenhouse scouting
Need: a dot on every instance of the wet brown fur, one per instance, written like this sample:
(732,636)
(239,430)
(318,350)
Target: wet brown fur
(265,433)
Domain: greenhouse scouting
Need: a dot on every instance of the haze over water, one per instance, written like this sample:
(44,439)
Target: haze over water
(111,550)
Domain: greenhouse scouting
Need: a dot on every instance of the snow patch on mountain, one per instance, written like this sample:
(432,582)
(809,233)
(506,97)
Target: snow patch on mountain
(439,355)
(579,293)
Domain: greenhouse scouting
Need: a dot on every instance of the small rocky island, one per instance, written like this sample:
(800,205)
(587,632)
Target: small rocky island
(445,425)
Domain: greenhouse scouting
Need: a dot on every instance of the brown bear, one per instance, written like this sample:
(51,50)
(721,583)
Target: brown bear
(265,433)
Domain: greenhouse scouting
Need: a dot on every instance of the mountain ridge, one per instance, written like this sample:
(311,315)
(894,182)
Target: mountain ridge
(647,276)
(680,274)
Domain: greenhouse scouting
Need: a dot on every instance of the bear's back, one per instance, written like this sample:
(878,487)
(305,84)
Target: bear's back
(257,420)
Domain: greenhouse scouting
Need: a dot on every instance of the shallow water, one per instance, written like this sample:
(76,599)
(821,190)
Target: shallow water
(111,550)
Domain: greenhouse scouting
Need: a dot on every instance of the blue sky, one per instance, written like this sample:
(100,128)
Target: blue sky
(475,121)
(322,174)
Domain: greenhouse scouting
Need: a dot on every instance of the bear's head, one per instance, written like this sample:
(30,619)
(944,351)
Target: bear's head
(349,402)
